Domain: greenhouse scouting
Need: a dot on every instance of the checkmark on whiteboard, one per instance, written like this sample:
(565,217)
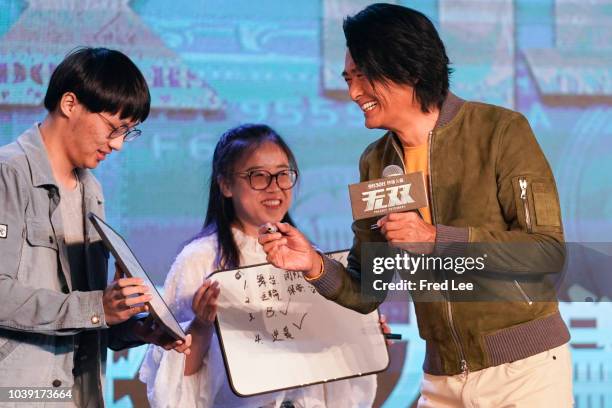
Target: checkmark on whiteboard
(301,322)
(287,309)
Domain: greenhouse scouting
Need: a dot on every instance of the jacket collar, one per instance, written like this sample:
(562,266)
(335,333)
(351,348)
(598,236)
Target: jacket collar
(40,168)
(450,108)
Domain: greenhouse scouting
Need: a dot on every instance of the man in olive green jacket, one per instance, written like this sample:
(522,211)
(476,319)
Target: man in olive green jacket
(489,188)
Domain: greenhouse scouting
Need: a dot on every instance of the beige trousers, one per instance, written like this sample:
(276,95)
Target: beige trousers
(541,381)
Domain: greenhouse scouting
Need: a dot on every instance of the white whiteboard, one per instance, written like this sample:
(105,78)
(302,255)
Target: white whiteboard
(276,332)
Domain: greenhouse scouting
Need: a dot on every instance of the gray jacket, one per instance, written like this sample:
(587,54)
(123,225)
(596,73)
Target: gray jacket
(40,313)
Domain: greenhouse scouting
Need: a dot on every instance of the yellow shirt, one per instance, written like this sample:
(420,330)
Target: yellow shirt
(415,159)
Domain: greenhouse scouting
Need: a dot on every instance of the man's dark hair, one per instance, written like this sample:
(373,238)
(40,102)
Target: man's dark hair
(103,80)
(398,44)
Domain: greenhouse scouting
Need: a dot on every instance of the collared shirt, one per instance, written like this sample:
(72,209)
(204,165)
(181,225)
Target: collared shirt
(41,311)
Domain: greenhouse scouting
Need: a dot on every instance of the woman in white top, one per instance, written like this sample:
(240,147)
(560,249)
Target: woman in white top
(251,184)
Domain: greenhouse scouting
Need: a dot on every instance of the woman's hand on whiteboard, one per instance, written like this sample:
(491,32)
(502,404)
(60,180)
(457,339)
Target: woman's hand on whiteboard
(288,248)
(204,303)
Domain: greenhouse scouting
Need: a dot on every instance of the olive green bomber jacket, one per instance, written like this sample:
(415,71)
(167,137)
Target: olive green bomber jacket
(489,183)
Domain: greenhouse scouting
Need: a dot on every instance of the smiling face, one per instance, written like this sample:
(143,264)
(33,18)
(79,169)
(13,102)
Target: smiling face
(88,142)
(385,107)
(256,207)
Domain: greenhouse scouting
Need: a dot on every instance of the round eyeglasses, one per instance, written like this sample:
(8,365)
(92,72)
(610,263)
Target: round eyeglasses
(123,130)
(261,179)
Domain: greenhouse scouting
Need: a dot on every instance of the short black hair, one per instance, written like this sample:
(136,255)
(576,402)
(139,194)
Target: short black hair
(103,80)
(394,43)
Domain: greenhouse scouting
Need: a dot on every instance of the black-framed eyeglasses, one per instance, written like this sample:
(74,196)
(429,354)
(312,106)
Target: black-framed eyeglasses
(261,179)
(123,130)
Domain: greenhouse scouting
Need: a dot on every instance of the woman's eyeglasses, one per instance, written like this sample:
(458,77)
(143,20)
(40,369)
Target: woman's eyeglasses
(261,179)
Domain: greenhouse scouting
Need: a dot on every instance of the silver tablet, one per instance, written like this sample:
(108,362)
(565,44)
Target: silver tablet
(132,268)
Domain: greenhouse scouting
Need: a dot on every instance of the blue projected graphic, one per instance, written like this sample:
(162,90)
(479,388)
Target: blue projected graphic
(214,64)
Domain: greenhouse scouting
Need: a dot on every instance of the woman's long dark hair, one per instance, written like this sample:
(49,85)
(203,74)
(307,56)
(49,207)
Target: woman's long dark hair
(220,215)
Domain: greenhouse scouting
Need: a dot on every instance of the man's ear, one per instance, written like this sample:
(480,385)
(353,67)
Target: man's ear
(68,104)
(225,187)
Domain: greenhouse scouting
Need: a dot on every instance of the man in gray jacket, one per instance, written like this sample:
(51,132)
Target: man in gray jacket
(57,313)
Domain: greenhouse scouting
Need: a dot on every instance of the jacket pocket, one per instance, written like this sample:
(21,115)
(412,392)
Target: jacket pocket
(524,294)
(537,204)
(39,233)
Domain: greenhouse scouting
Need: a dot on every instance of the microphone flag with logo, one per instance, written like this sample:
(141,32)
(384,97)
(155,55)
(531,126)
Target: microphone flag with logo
(394,192)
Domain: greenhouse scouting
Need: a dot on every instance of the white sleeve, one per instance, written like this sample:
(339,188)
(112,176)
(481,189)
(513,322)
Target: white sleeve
(358,392)
(162,371)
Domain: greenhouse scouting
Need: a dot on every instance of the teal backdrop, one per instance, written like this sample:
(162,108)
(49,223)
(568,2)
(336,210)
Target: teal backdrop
(214,64)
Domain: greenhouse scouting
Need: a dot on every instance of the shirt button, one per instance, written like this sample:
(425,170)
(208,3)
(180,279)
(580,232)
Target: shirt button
(50,239)
(56,383)
(95,319)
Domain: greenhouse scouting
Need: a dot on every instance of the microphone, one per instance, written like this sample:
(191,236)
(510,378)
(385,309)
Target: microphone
(389,171)
(392,170)
(393,192)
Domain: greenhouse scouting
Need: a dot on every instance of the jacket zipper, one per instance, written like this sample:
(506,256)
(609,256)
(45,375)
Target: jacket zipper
(523,185)
(430,188)
(399,154)
(523,293)
(463,362)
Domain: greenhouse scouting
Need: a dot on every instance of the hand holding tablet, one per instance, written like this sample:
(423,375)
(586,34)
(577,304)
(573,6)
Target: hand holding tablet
(133,270)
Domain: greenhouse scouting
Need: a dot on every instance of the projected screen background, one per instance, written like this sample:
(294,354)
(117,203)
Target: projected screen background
(215,64)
